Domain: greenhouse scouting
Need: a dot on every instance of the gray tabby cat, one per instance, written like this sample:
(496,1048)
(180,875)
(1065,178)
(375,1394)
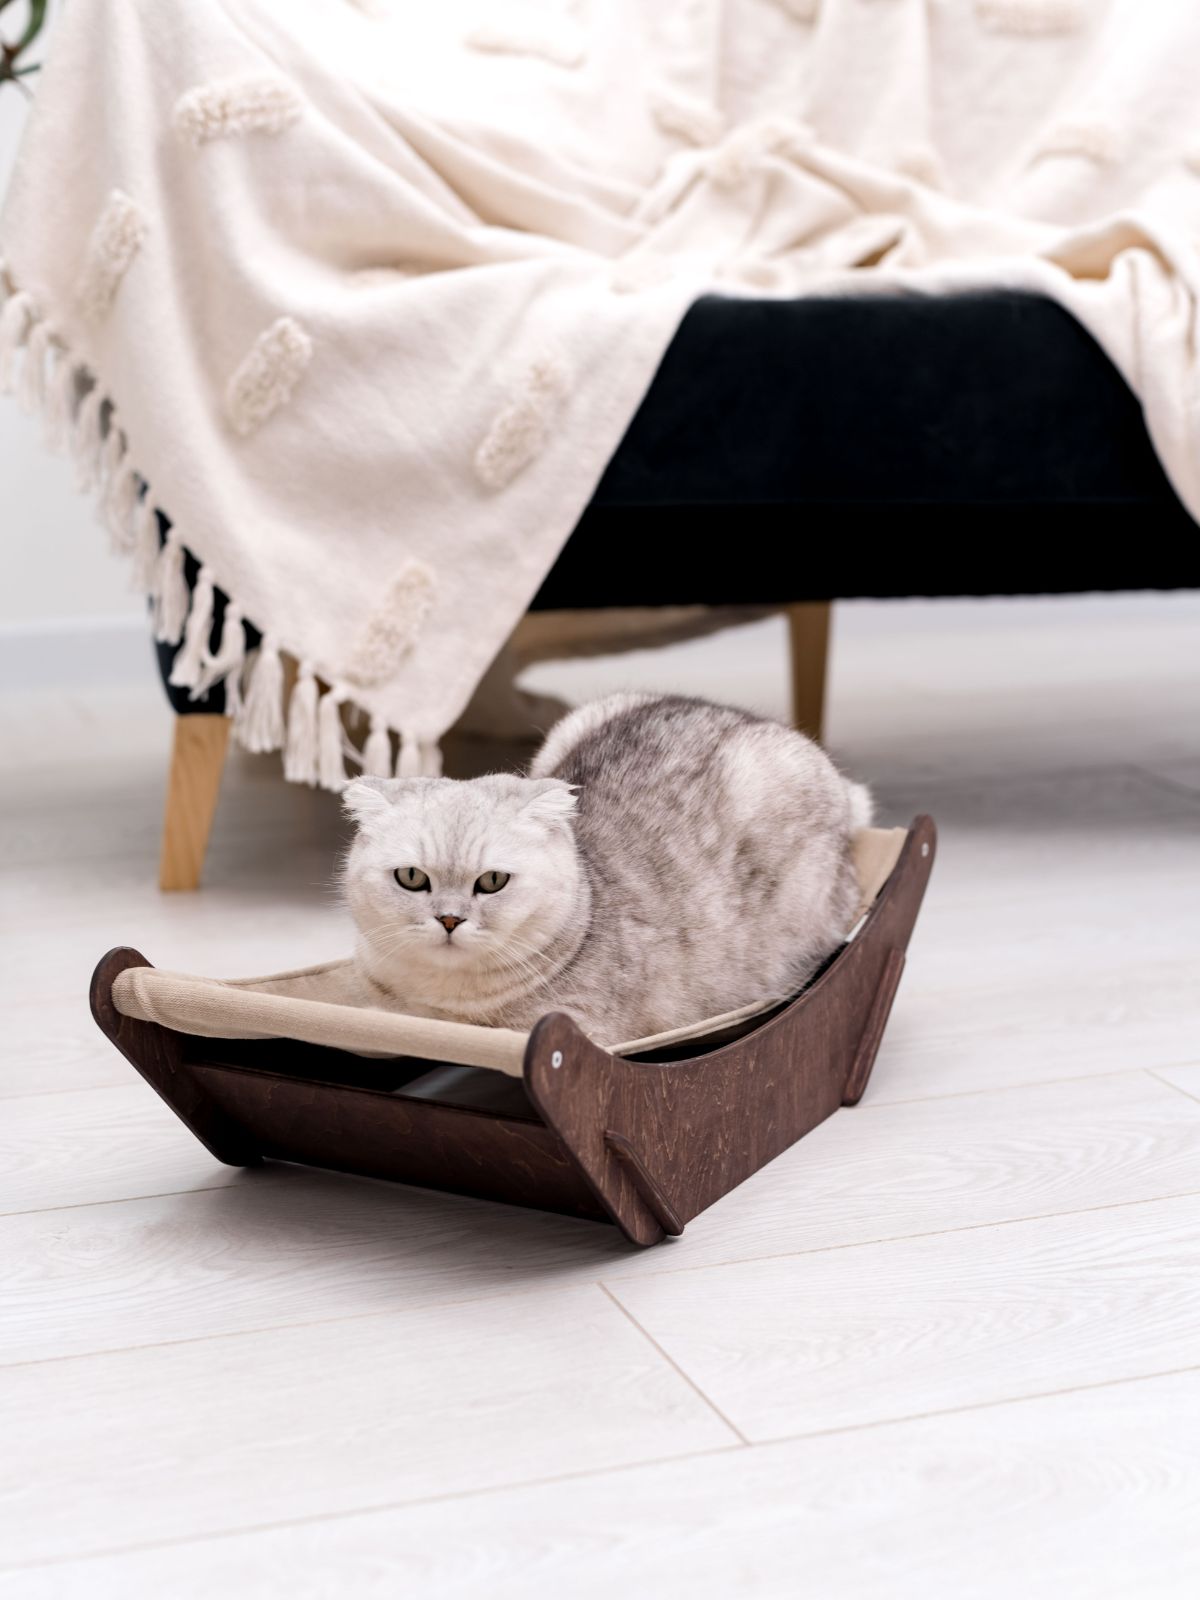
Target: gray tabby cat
(665,860)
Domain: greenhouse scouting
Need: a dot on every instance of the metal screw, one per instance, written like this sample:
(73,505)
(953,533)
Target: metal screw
(556,1059)
(924,849)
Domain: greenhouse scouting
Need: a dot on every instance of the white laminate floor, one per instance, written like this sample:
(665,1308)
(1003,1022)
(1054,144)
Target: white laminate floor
(948,1345)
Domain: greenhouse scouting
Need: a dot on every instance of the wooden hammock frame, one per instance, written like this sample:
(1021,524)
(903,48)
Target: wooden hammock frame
(645,1143)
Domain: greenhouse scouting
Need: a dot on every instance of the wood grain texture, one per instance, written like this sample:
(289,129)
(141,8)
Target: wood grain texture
(1186,1079)
(197,761)
(1090,1494)
(1077,1024)
(267,1245)
(391,1135)
(872,1333)
(808,654)
(1091,979)
(226,1433)
(50,1049)
(270,1248)
(91,1146)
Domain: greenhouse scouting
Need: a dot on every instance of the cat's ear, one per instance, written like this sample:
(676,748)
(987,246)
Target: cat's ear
(550,799)
(366,797)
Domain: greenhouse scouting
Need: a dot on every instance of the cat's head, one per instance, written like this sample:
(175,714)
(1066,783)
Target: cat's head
(445,876)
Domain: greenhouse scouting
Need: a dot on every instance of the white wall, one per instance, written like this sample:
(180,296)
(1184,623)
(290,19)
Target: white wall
(59,578)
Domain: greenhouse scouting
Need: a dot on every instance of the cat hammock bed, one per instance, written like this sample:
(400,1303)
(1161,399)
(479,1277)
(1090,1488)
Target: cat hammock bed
(646,1134)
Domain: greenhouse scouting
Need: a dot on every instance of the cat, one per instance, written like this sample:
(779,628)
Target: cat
(665,860)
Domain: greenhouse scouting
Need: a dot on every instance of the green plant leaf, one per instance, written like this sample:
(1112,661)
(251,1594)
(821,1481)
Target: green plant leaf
(37,16)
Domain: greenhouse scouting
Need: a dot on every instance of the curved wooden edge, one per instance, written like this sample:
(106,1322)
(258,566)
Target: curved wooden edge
(659,1142)
(156,1053)
(578,1090)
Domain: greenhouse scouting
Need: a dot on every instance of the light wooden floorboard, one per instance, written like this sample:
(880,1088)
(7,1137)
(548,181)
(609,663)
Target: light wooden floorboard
(269,1247)
(96,1145)
(1090,1494)
(162,1442)
(950,1041)
(842,1338)
(47,1049)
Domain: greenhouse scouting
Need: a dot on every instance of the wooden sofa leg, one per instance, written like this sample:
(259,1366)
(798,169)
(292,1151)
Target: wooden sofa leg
(197,757)
(808,633)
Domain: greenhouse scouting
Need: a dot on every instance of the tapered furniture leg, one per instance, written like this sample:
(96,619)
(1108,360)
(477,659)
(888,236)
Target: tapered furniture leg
(808,634)
(197,759)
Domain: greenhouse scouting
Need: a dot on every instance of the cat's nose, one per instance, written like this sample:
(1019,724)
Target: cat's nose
(450,923)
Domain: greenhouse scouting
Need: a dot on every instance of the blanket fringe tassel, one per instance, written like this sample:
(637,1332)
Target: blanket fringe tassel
(377,752)
(331,763)
(300,755)
(80,418)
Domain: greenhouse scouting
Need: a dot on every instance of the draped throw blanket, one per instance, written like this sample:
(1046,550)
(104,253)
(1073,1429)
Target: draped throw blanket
(362,295)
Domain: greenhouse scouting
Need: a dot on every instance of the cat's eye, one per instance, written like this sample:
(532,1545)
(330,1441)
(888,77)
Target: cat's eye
(411,878)
(490,882)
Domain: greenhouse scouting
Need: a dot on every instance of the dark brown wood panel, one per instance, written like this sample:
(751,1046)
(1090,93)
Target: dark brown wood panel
(158,1054)
(391,1135)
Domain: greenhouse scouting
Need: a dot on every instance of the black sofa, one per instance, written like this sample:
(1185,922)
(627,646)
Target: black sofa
(816,449)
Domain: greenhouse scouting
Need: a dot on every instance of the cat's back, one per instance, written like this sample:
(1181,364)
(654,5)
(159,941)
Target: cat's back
(691,771)
(716,846)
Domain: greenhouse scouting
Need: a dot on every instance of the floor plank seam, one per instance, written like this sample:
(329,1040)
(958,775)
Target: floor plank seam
(1187,1094)
(933,1233)
(380,1508)
(878,1104)
(114,1200)
(671,1362)
(978,1405)
(509,1290)
(582,1475)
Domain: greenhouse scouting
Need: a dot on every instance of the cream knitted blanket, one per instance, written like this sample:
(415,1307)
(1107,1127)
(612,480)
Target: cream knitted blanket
(363,295)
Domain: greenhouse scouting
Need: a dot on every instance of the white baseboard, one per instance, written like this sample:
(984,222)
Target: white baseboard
(66,652)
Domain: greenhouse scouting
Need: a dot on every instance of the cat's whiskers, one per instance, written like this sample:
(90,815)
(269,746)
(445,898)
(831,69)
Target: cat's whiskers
(522,971)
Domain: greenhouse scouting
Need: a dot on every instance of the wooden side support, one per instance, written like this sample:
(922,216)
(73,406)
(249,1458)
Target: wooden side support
(808,635)
(660,1141)
(652,1196)
(872,1034)
(158,1055)
(197,760)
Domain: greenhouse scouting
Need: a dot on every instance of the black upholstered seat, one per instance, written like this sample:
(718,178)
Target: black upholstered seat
(814,449)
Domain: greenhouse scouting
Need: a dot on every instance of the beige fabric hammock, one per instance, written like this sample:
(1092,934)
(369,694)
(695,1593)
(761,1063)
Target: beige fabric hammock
(325,1005)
